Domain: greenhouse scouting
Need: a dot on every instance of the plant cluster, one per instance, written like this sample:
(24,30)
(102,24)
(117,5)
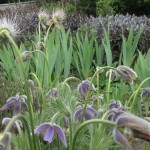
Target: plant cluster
(73,95)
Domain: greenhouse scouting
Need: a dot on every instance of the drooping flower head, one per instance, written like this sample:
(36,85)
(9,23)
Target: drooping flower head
(121,139)
(89,112)
(145,95)
(127,73)
(96,100)
(116,110)
(52,93)
(25,56)
(16,103)
(15,125)
(114,75)
(50,131)
(84,86)
(139,128)
(10,25)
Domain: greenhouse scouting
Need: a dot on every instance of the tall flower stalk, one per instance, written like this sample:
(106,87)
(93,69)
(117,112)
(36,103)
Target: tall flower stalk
(88,93)
(7,33)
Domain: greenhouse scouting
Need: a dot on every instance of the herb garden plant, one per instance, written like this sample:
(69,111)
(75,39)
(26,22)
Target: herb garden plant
(69,99)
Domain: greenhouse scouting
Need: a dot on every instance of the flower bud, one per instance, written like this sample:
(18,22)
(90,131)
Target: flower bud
(127,73)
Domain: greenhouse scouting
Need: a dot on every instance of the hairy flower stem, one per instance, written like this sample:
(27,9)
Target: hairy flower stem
(26,84)
(88,93)
(87,123)
(23,119)
(98,104)
(136,93)
(108,87)
(71,78)
(70,133)
(40,52)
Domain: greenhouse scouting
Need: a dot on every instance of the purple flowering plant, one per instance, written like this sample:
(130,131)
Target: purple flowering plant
(84,86)
(50,132)
(89,112)
(15,102)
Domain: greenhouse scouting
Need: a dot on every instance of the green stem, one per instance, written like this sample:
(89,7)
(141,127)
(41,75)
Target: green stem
(70,134)
(136,93)
(46,61)
(87,123)
(88,94)
(46,37)
(108,88)
(12,121)
(98,103)
(40,89)
(54,117)
(26,84)
(71,78)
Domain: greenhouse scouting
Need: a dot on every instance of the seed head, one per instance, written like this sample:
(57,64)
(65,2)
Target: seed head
(10,25)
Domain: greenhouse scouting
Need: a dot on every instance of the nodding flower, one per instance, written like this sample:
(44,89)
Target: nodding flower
(10,25)
(127,73)
(139,128)
(114,75)
(115,110)
(15,125)
(16,102)
(50,131)
(88,112)
(84,86)
(25,56)
(52,93)
(145,95)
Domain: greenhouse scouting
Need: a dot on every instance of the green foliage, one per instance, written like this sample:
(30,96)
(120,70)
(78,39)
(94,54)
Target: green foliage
(70,8)
(142,67)
(104,7)
(129,47)
(54,62)
(83,54)
(11,64)
(107,46)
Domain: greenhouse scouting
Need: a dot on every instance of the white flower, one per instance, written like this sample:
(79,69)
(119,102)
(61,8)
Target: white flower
(43,15)
(11,25)
(59,15)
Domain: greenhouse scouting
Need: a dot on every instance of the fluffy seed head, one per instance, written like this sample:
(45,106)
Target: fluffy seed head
(11,25)
(43,16)
(58,15)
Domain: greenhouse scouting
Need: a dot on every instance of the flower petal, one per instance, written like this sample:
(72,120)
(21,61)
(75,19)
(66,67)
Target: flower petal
(12,99)
(92,110)
(133,122)
(78,113)
(8,105)
(49,134)
(41,127)
(61,134)
(5,121)
(121,139)
(17,108)
(87,116)
(23,103)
